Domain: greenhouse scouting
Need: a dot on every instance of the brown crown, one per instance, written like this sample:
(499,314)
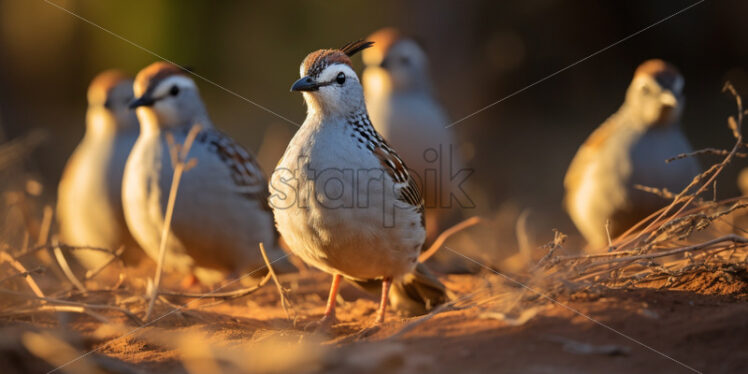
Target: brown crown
(102,84)
(317,61)
(148,78)
(664,73)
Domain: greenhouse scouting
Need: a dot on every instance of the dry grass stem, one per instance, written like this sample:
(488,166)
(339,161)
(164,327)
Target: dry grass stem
(228,295)
(425,255)
(282,291)
(180,164)
(5,257)
(90,274)
(46,226)
(52,300)
(63,263)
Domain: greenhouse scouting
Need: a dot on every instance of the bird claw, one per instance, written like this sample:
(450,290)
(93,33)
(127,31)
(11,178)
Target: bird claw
(323,325)
(189,282)
(368,331)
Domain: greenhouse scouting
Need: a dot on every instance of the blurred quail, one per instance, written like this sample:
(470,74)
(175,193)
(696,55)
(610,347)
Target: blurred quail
(403,110)
(89,205)
(629,149)
(221,213)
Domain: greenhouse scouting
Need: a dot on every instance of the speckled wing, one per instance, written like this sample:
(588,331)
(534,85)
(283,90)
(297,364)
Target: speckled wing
(408,190)
(245,170)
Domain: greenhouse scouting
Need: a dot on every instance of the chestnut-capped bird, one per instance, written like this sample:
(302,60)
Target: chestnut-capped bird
(89,203)
(403,109)
(221,213)
(630,149)
(343,200)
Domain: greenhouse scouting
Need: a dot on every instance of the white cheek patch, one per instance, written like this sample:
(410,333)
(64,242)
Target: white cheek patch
(180,81)
(166,111)
(331,72)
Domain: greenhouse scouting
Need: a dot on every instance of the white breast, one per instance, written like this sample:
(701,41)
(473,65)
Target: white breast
(89,205)
(337,209)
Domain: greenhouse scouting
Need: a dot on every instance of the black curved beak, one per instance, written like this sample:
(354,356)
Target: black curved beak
(142,101)
(305,84)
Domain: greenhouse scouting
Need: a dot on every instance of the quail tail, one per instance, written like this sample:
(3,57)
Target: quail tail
(416,293)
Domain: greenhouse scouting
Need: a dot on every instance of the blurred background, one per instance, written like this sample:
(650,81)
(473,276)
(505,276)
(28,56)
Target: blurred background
(481,51)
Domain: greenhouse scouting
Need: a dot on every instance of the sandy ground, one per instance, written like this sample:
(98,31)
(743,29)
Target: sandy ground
(702,326)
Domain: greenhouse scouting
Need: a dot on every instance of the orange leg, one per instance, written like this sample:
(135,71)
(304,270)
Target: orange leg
(189,281)
(386,283)
(329,317)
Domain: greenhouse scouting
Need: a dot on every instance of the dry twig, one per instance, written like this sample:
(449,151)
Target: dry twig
(282,291)
(5,257)
(63,263)
(425,255)
(180,164)
(228,295)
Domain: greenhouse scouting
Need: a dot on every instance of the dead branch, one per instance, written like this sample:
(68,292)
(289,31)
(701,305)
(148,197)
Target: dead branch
(5,257)
(56,308)
(64,247)
(51,300)
(63,263)
(221,295)
(90,274)
(706,245)
(36,270)
(706,151)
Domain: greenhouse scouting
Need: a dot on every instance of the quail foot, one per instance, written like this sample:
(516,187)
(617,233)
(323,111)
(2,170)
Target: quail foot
(342,198)
(630,149)
(403,109)
(221,213)
(89,205)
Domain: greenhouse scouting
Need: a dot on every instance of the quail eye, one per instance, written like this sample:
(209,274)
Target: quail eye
(340,78)
(646,90)
(405,61)
(174,91)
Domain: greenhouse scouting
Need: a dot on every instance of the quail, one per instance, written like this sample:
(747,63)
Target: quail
(89,206)
(403,109)
(630,149)
(343,200)
(221,212)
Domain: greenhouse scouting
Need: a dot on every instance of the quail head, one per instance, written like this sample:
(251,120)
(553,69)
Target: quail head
(89,206)
(221,213)
(403,109)
(343,200)
(629,149)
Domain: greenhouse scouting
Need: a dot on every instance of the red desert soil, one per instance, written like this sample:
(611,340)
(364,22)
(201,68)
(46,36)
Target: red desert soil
(612,331)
